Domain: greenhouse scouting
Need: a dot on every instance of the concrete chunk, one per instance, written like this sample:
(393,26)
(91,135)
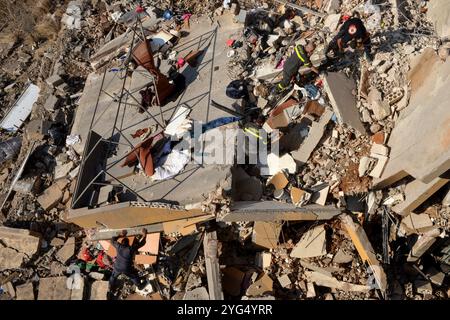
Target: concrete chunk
(54,289)
(50,197)
(340,90)
(54,81)
(416,192)
(52,103)
(416,223)
(25,292)
(284,281)
(311,244)
(266,234)
(67,251)
(422,245)
(263,285)
(99,290)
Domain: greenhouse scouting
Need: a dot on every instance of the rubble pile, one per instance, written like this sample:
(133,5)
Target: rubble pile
(348,195)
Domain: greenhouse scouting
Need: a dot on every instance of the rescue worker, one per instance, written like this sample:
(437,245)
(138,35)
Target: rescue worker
(352,34)
(124,260)
(300,57)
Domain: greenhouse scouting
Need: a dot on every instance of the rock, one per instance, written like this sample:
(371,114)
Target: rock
(311,293)
(311,244)
(380,108)
(263,259)
(25,292)
(332,6)
(408,49)
(99,290)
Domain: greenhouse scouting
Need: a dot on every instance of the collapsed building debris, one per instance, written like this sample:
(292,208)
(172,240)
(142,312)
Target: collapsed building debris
(170,117)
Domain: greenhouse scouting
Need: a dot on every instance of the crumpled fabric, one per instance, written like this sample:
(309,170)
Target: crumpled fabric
(172,164)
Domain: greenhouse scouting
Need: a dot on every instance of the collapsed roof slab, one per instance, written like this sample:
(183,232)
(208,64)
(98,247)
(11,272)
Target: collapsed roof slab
(128,214)
(277,211)
(420,141)
(206,80)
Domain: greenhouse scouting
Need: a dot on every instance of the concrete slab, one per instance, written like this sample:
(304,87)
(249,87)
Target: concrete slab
(439,14)
(266,234)
(416,192)
(422,153)
(340,90)
(311,244)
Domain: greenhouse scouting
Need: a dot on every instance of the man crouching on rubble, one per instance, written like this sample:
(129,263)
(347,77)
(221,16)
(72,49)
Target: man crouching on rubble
(300,57)
(352,35)
(124,260)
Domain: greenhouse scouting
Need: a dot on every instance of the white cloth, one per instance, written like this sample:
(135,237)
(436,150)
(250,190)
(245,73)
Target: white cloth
(173,164)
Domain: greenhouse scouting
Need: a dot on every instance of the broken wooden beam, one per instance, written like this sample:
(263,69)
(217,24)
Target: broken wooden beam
(365,250)
(213,273)
(277,211)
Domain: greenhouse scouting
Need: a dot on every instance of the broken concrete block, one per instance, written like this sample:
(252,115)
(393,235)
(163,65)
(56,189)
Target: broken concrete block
(279,180)
(197,294)
(67,251)
(37,129)
(54,289)
(332,21)
(315,134)
(332,6)
(379,107)
(320,194)
(62,171)
(446,200)
(17,243)
(437,13)
(365,164)
(394,96)
(284,281)
(436,277)
(52,103)
(311,244)
(25,292)
(77,292)
(365,250)
(266,234)
(416,192)
(277,164)
(50,197)
(240,17)
(379,149)
(323,280)
(311,292)
(263,259)
(341,257)
(10,258)
(54,81)
(263,285)
(377,170)
(423,286)
(340,90)
(99,290)
(417,223)
(422,245)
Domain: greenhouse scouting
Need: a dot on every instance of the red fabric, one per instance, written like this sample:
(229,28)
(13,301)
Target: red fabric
(230,42)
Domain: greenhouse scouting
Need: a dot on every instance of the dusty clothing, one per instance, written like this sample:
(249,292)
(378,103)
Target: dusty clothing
(298,59)
(124,261)
(359,38)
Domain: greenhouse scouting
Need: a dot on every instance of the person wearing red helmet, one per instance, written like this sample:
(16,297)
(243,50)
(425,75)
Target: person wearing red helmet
(352,34)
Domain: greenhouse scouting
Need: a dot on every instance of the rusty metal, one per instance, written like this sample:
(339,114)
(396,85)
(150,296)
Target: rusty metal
(143,56)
